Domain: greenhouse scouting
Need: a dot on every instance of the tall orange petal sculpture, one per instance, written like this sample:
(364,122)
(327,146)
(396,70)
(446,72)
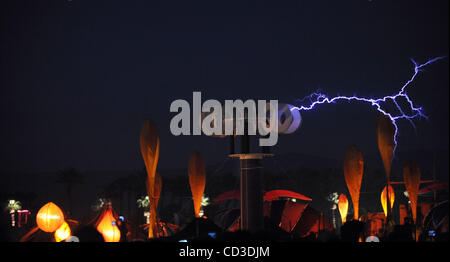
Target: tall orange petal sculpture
(197,180)
(386,143)
(157,194)
(106,226)
(63,232)
(384,199)
(353,171)
(411,176)
(158,187)
(149,142)
(50,217)
(343,207)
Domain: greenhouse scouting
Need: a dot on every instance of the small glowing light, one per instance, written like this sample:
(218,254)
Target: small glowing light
(205,201)
(406,194)
(147,216)
(72,239)
(372,239)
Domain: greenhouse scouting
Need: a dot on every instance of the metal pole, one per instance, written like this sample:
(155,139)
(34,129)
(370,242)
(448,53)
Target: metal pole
(252,212)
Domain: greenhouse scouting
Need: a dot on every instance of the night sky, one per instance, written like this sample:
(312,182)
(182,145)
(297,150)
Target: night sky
(78,78)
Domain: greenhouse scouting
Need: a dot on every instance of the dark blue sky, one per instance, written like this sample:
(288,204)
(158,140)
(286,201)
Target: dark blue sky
(78,78)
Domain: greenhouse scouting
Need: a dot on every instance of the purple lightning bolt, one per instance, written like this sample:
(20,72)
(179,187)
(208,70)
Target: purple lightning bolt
(319,98)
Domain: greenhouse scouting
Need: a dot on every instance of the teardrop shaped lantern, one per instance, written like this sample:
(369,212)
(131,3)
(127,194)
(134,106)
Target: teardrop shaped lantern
(107,226)
(343,207)
(63,232)
(50,217)
(384,199)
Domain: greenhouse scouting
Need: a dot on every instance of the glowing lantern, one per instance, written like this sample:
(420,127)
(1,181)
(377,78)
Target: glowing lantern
(149,142)
(386,143)
(411,176)
(353,171)
(63,232)
(343,207)
(384,199)
(50,217)
(197,180)
(107,226)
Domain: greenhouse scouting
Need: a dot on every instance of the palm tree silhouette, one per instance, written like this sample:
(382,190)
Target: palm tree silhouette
(70,177)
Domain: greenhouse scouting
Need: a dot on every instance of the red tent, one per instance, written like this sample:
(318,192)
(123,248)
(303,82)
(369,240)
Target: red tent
(311,221)
(275,194)
(283,213)
(268,196)
(233,194)
(434,187)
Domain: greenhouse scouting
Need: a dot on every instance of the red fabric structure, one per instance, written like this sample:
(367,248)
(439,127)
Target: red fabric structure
(233,194)
(275,194)
(311,221)
(283,213)
(291,215)
(268,196)
(433,187)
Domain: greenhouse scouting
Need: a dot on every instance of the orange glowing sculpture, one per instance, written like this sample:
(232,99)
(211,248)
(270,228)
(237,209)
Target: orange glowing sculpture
(149,142)
(411,176)
(107,226)
(197,180)
(353,171)
(343,207)
(386,143)
(158,187)
(50,217)
(63,232)
(157,193)
(384,199)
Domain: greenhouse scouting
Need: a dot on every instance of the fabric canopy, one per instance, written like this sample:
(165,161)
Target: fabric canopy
(283,213)
(433,187)
(275,194)
(268,196)
(233,194)
(311,221)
